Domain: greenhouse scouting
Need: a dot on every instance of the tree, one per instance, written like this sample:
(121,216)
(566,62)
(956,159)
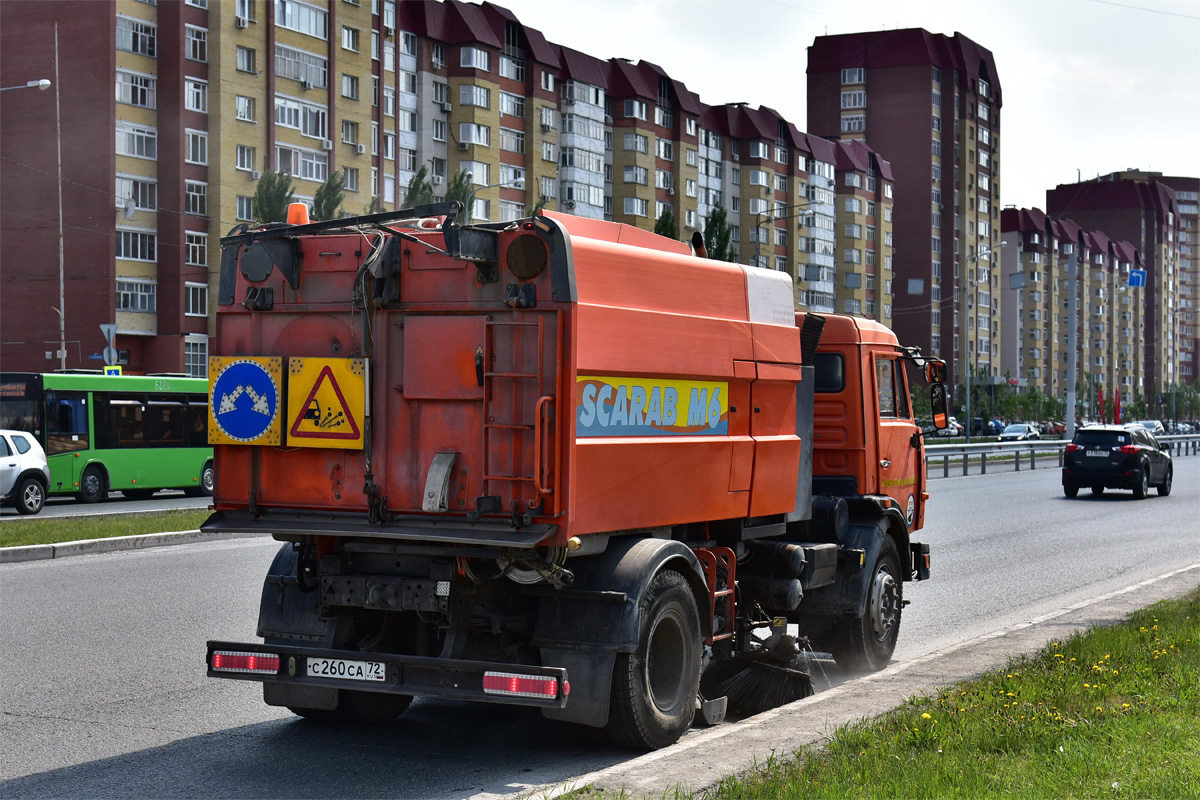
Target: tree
(271,197)
(328,199)
(666,225)
(717,235)
(458,189)
(373,207)
(420,190)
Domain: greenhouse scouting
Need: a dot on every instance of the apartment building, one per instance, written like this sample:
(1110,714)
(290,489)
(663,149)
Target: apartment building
(1110,319)
(1147,215)
(929,105)
(211,95)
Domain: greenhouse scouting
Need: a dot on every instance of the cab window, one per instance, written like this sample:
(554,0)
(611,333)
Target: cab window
(889,383)
(829,373)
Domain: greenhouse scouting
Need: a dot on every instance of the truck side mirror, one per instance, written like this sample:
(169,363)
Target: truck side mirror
(935,372)
(938,405)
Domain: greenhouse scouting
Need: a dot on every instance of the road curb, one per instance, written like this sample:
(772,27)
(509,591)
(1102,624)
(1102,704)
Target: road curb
(41,552)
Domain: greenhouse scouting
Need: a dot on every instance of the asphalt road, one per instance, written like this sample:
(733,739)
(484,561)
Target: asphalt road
(103,692)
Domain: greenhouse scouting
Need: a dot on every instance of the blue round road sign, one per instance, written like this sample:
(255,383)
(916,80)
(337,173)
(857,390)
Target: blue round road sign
(245,400)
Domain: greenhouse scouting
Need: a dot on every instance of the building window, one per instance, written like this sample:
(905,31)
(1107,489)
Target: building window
(136,36)
(472,95)
(195,198)
(389,145)
(512,68)
(408,159)
(302,18)
(245,158)
(636,109)
(349,132)
(481,209)
(136,90)
(137,245)
(195,93)
(350,86)
(547,81)
(301,66)
(852,75)
(510,211)
(548,151)
(636,206)
(854,99)
(245,208)
(439,130)
(937,122)
(196,254)
(474,133)
(195,44)
(475,58)
(854,124)
(350,175)
(512,104)
(133,295)
(137,141)
(636,175)
(195,357)
(350,38)
(512,141)
(142,192)
(439,56)
(389,101)
(195,298)
(245,108)
(246,59)
(197,147)
(637,143)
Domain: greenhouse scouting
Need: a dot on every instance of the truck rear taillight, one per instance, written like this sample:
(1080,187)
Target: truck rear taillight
(514,685)
(225,661)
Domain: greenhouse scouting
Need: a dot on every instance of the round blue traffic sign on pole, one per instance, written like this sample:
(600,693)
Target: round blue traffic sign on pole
(245,400)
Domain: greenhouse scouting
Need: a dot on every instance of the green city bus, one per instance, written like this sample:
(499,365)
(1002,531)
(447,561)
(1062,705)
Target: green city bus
(101,433)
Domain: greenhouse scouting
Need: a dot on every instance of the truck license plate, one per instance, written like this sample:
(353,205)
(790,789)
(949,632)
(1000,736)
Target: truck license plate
(1100,453)
(346,670)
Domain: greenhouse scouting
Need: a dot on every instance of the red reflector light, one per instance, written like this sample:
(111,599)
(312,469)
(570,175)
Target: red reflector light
(225,661)
(1071,448)
(1129,449)
(520,685)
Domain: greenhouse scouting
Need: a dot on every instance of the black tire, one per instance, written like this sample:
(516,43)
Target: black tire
(654,689)
(1164,488)
(137,494)
(1143,486)
(30,496)
(866,643)
(1097,490)
(205,489)
(92,485)
(1070,490)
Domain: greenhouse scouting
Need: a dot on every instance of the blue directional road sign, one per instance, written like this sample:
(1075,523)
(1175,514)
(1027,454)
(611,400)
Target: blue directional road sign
(244,400)
(1137,278)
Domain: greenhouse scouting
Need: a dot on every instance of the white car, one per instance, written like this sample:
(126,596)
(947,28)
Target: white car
(24,474)
(1154,426)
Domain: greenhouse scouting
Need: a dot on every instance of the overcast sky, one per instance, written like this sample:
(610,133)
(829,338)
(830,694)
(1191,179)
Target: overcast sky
(1090,86)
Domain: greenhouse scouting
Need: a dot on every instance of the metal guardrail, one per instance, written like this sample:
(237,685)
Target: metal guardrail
(1051,451)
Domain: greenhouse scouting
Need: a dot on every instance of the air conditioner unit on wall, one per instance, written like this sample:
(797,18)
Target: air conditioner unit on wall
(569,204)
(241,22)
(463,145)
(388,30)
(326,144)
(305,83)
(255,175)
(361,149)
(438,180)
(546,127)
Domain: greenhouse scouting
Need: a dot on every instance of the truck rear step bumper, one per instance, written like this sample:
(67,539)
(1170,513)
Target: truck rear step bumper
(412,675)
(288,525)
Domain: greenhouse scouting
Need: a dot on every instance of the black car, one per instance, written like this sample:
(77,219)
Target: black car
(1116,457)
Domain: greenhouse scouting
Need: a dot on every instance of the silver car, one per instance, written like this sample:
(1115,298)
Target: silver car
(24,474)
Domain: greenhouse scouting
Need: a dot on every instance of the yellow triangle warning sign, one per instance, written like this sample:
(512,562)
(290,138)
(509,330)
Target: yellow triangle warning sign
(324,414)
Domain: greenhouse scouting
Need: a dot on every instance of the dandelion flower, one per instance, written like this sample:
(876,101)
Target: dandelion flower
(925,716)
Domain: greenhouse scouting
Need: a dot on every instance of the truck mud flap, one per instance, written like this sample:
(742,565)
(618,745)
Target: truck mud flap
(482,681)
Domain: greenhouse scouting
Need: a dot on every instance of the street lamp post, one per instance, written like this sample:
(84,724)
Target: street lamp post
(772,216)
(42,85)
(519,183)
(984,251)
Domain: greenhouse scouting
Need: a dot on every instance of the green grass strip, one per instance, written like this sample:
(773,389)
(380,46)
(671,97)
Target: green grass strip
(52,530)
(1111,712)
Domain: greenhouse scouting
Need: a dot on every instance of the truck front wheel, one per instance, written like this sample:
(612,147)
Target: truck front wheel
(654,689)
(866,643)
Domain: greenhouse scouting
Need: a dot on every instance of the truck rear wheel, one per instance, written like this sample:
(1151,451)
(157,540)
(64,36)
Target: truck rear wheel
(654,689)
(866,643)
